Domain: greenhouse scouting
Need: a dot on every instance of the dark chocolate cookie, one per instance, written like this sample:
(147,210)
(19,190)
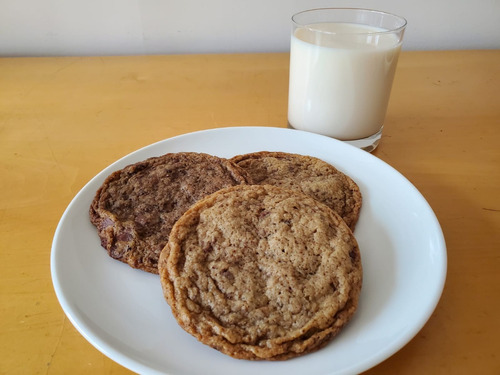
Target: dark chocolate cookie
(136,207)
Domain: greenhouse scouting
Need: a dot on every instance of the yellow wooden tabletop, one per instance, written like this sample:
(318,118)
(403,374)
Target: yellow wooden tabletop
(62,120)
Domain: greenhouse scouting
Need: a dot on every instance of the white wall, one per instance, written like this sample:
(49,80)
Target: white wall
(110,27)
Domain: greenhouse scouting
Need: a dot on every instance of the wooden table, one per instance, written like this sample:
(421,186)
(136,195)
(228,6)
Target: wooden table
(62,120)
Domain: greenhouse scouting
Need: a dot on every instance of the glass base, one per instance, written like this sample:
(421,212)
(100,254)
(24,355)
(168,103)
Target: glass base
(368,144)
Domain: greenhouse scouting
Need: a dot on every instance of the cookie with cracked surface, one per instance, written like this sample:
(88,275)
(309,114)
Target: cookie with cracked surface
(261,273)
(136,207)
(309,175)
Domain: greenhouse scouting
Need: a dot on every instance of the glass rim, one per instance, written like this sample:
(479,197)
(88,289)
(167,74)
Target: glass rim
(385,31)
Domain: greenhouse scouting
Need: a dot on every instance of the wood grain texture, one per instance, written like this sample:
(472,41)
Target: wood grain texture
(62,120)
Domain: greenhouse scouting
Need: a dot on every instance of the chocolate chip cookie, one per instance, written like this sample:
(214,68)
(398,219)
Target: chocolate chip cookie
(309,175)
(261,272)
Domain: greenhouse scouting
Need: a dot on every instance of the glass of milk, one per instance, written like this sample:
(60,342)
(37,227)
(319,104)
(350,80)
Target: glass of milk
(342,64)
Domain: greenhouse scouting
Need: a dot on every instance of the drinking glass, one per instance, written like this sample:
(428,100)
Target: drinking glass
(342,64)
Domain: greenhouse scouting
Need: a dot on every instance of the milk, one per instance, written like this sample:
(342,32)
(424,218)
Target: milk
(340,81)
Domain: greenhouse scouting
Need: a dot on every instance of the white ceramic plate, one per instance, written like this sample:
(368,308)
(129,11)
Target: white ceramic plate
(121,311)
